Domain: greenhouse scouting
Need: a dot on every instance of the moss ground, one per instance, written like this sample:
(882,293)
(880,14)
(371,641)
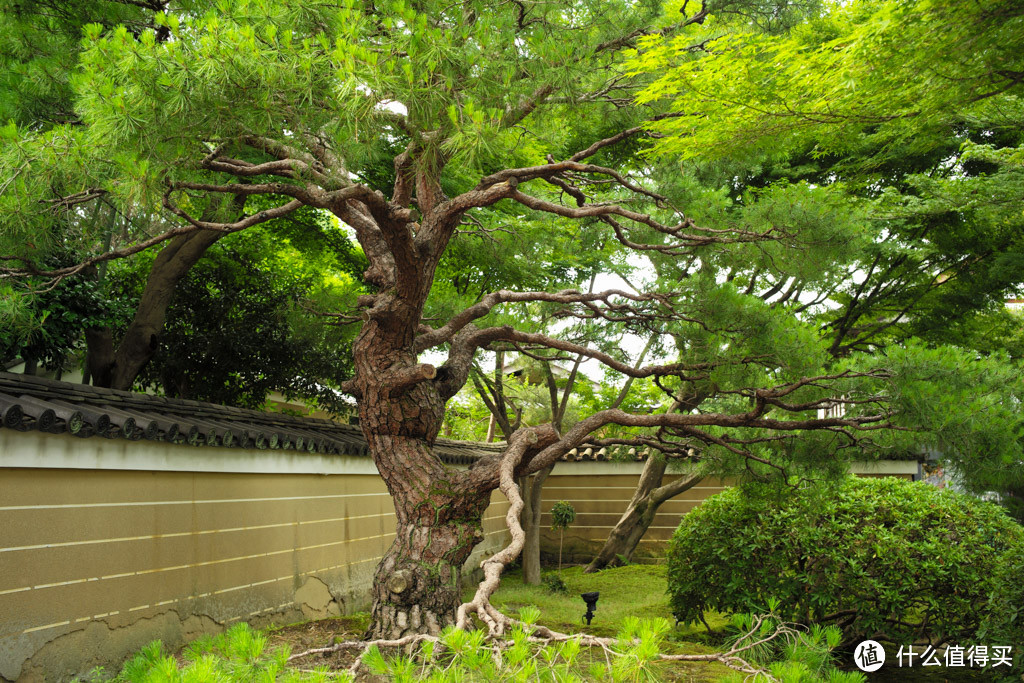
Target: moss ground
(637,590)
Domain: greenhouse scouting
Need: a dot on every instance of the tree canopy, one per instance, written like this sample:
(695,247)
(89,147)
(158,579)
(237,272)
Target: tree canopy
(792,228)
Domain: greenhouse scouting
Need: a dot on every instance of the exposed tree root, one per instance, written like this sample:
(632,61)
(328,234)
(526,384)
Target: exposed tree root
(363,646)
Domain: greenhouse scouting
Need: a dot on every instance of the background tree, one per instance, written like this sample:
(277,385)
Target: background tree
(239,324)
(41,48)
(50,333)
(563,514)
(539,391)
(929,148)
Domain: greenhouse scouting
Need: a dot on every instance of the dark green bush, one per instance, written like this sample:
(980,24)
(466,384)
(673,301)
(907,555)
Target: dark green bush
(1004,620)
(881,558)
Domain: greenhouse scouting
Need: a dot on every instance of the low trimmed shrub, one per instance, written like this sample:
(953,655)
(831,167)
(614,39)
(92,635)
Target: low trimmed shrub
(1004,620)
(881,558)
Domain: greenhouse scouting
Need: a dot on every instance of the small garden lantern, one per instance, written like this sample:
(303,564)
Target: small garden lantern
(591,600)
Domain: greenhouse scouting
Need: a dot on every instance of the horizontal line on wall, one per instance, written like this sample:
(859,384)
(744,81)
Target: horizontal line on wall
(225,560)
(614,512)
(602,539)
(555,487)
(41,628)
(198,597)
(596,526)
(624,503)
(143,503)
(178,534)
(156,570)
(274,608)
(217,592)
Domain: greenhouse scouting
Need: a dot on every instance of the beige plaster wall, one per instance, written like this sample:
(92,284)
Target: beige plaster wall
(600,498)
(96,563)
(107,545)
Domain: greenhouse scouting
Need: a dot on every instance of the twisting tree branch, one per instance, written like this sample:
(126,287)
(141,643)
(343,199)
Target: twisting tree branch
(430,337)
(495,565)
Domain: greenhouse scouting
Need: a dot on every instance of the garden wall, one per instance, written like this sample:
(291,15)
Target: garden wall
(106,545)
(600,492)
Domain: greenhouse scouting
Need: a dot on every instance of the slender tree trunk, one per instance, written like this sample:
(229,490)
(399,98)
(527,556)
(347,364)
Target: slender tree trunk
(532,488)
(639,515)
(622,542)
(118,367)
(99,359)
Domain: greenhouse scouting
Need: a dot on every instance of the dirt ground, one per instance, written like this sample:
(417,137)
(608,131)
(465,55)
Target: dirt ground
(308,635)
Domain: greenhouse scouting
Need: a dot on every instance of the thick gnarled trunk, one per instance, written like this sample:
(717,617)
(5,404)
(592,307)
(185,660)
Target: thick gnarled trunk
(401,401)
(418,584)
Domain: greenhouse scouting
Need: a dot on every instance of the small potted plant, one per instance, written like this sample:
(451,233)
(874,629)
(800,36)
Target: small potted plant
(562,515)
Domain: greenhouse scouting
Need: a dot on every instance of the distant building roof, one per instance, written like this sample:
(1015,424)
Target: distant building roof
(34,403)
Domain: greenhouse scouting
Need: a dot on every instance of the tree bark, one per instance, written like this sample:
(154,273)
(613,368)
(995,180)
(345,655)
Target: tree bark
(99,357)
(532,488)
(630,529)
(417,587)
(118,367)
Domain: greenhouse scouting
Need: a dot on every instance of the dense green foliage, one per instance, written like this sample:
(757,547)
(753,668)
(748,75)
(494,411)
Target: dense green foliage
(53,320)
(876,238)
(927,151)
(1004,621)
(459,655)
(241,654)
(799,657)
(238,326)
(812,230)
(562,515)
(880,558)
(238,654)
(898,188)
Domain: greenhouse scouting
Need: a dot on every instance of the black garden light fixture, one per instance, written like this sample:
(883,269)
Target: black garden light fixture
(591,600)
